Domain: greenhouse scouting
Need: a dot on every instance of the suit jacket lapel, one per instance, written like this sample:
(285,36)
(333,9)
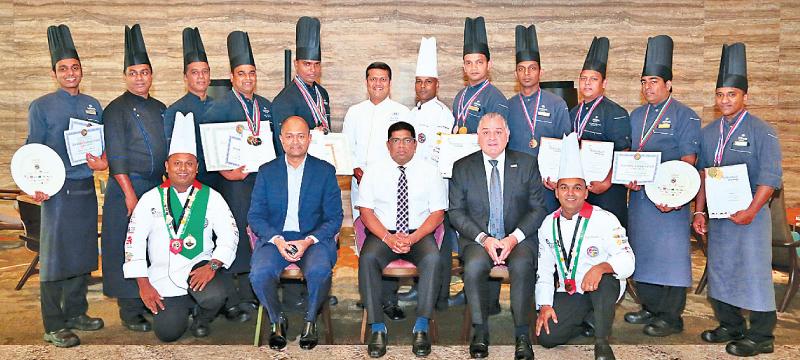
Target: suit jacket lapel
(509,174)
(483,188)
(283,182)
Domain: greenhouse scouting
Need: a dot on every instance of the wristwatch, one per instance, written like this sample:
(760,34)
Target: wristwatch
(214,265)
(483,238)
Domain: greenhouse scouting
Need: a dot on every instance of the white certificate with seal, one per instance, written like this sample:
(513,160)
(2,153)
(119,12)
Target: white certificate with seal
(218,139)
(727,190)
(549,158)
(596,157)
(453,148)
(676,184)
(333,148)
(80,123)
(83,140)
(638,166)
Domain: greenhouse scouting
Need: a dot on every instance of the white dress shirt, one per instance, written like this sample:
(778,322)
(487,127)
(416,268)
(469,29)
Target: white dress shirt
(430,119)
(294,181)
(149,239)
(427,192)
(605,241)
(501,168)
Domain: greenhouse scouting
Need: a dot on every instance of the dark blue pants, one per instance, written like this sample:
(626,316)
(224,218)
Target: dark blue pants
(267,265)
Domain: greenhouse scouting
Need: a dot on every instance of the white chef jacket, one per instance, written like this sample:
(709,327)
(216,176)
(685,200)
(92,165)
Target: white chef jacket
(605,241)
(148,239)
(429,120)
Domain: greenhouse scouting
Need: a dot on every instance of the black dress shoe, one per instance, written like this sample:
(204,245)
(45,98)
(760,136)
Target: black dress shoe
(479,346)
(200,328)
(235,313)
(747,347)
(249,306)
(588,329)
(360,304)
(602,350)
(523,349)
(85,323)
(720,335)
(660,328)
(309,337)
(394,312)
(457,299)
(333,300)
(139,324)
(377,344)
(639,317)
(409,296)
(421,345)
(63,338)
(277,337)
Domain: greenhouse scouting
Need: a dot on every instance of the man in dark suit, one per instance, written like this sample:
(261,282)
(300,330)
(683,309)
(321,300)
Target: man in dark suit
(496,207)
(293,184)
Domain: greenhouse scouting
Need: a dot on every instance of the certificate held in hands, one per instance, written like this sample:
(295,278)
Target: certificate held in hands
(84,140)
(727,190)
(227,146)
(632,166)
(333,148)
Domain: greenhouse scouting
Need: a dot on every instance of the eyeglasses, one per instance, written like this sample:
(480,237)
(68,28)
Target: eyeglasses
(407,141)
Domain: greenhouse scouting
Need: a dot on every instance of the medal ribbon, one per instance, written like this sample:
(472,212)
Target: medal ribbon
(176,229)
(561,255)
(721,145)
(531,124)
(317,107)
(463,109)
(580,124)
(646,136)
(254,122)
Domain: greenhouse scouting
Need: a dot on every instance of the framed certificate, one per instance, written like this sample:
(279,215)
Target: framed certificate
(333,148)
(596,157)
(84,140)
(453,148)
(638,166)
(676,184)
(549,158)
(225,146)
(727,190)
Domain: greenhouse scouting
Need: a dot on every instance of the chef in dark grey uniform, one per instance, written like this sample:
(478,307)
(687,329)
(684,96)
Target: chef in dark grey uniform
(197,76)
(598,118)
(304,97)
(68,243)
(240,104)
(740,247)
(533,113)
(137,149)
(480,96)
(663,261)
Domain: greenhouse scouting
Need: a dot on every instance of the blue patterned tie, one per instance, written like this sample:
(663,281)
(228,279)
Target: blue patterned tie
(402,202)
(496,226)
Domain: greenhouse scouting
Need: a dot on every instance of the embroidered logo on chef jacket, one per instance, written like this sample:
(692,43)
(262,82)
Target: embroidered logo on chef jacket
(129,240)
(395,117)
(155,212)
(741,141)
(128,256)
(593,251)
(476,106)
(665,124)
(421,138)
(543,111)
(90,110)
(595,121)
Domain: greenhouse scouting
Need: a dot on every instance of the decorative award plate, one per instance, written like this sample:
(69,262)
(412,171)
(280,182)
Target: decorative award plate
(36,167)
(676,184)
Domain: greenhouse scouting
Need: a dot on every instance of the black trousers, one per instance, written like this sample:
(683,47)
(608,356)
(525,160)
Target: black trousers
(131,308)
(170,324)
(762,323)
(521,264)
(375,255)
(238,288)
(573,310)
(667,302)
(63,299)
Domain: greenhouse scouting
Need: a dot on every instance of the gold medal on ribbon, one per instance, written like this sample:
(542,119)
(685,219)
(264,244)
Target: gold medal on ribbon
(714,173)
(462,130)
(637,156)
(533,144)
(254,140)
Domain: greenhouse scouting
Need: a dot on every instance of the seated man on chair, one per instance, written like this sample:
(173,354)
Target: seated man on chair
(401,202)
(586,249)
(295,213)
(496,206)
(171,230)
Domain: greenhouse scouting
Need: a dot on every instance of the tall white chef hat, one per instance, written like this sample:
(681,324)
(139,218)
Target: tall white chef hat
(426,59)
(570,166)
(183,139)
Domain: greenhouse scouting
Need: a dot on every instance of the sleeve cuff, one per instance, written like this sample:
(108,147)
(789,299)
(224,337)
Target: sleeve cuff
(519,235)
(544,295)
(272,239)
(226,256)
(478,238)
(313,238)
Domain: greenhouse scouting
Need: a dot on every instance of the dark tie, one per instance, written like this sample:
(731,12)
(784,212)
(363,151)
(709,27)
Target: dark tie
(496,226)
(402,201)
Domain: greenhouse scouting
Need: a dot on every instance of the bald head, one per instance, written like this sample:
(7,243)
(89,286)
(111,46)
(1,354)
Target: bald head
(295,137)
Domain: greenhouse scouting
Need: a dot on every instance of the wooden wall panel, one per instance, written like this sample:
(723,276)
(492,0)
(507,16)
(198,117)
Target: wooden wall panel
(355,33)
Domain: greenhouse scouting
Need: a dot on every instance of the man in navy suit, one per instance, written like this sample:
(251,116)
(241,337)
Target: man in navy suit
(293,184)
